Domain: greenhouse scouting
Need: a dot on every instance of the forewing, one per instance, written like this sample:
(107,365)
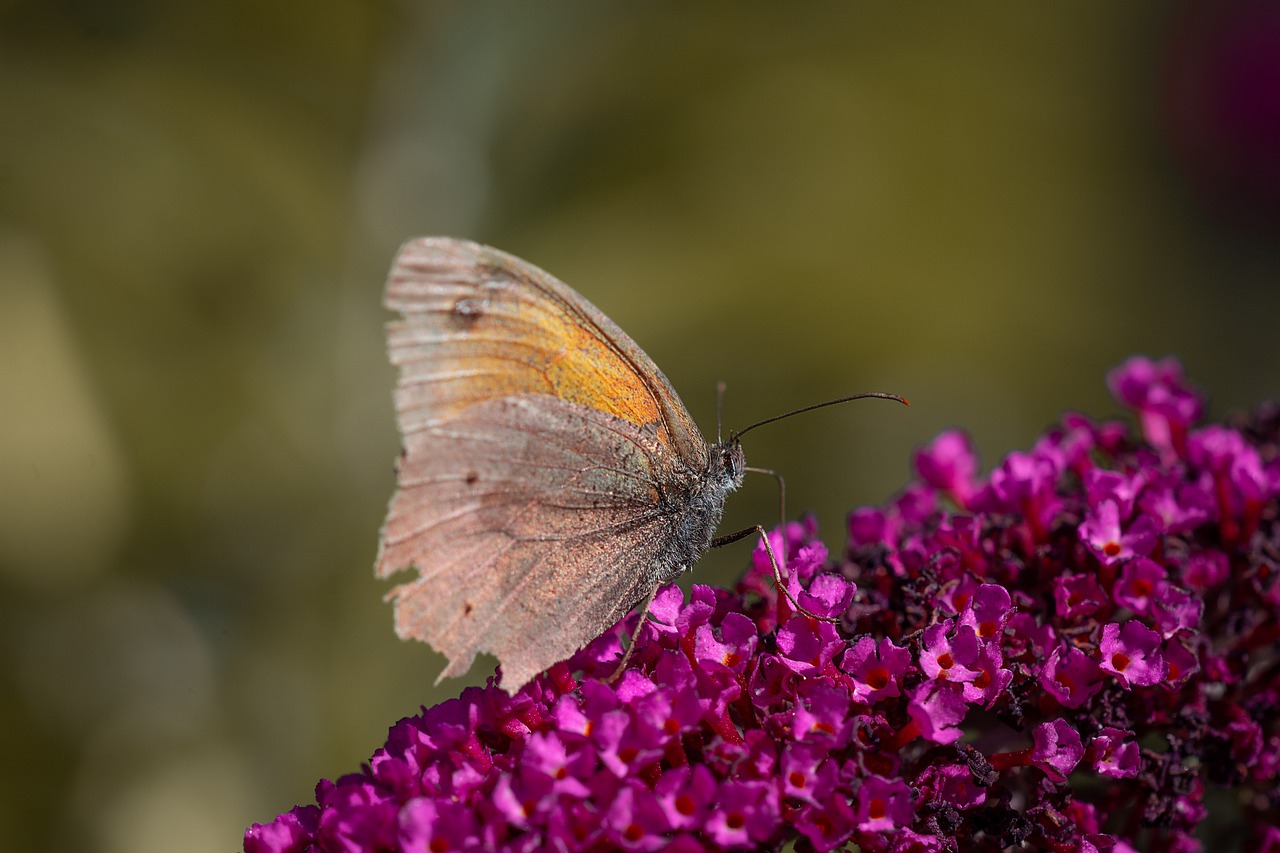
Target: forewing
(534,522)
(480,324)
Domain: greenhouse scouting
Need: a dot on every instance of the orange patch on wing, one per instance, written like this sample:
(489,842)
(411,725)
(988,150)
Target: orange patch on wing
(586,371)
(458,350)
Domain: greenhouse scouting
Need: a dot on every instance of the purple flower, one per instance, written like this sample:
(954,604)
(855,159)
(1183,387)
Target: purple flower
(745,814)
(742,724)
(937,708)
(876,668)
(828,595)
(952,784)
(430,826)
(685,795)
(808,647)
(634,820)
(1181,663)
(1114,753)
(1102,533)
(869,526)
(948,464)
(884,804)
(987,612)
(1179,507)
(733,648)
(992,678)
(828,826)
(1206,569)
(1101,484)
(291,831)
(909,841)
(1166,405)
(948,658)
(821,713)
(1140,580)
(1071,676)
(1026,483)
(1078,596)
(1176,610)
(1132,654)
(1057,749)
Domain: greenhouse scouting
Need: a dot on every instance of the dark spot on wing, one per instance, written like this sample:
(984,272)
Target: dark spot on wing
(467,607)
(472,476)
(469,309)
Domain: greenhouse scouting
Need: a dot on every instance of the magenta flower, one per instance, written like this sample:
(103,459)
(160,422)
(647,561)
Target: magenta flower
(1108,596)
(949,465)
(1178,507)
(1181,663)
(1165,404)
(1114,753)
(1071,676)
(1057,749)
(884,804)
(1102,533)
(1176,610)
(1132,654)
(1078,596)
(1101,484)
(937,708)
(745,813)
(876,669)
(1140,580)
(686,795)
(948,658)
(1206,569)
(987,611)
(952,784)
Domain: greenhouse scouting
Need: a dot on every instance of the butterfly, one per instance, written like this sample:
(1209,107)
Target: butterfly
(550,478)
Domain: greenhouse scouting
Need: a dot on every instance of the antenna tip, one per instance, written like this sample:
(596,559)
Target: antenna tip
(905,401)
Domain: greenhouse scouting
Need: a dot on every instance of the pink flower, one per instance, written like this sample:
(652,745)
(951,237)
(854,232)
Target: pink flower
(987,612)
(1140,580)
(876,669)
(1078,596)
(1176,610)
(1114,753)
(949,464)
(1057,749)
(744,813)
(952,784)
(937,708)
(1181,662)
(1102,533)
(949,658)
(884,804)
(1166,404)
(1071,676)
(1101,484)
(1132,654)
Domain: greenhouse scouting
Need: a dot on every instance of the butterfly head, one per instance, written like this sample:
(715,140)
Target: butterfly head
(728,464)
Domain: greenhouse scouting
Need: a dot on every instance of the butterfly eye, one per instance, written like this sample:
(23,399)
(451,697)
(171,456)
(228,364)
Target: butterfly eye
(733,460)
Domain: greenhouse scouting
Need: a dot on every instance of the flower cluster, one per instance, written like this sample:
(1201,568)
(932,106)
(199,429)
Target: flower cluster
(1078,652)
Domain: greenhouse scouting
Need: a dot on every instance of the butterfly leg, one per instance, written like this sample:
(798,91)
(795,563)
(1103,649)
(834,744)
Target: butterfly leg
(777,568)
(631,644)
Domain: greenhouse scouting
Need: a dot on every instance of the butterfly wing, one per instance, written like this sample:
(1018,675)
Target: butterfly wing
(541,447)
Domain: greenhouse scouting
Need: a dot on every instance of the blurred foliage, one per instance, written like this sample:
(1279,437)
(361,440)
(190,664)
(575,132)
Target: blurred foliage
(980,207)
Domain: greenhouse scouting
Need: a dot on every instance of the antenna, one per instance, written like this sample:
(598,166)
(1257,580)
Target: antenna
(735,436)
(721,387)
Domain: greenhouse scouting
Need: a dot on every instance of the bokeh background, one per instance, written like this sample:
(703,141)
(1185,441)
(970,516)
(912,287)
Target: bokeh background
(980,206)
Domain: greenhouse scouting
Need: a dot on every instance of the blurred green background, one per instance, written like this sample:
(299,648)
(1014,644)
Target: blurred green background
(981,206)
